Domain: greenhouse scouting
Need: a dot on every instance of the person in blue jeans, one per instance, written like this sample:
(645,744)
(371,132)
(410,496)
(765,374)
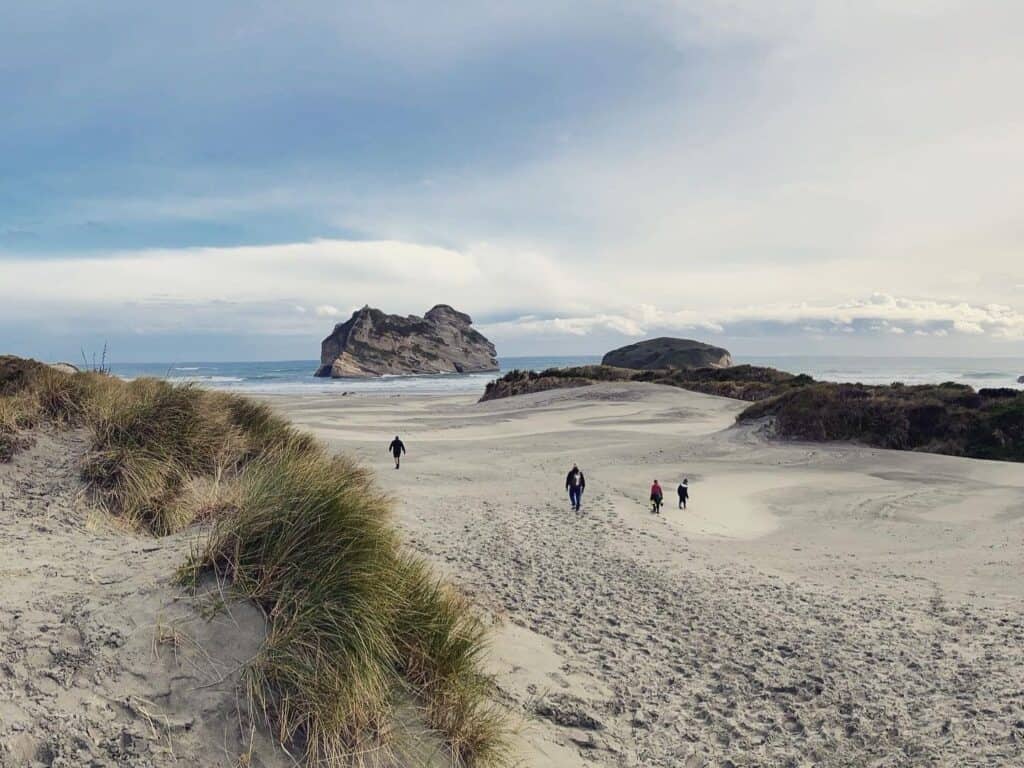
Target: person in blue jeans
(575,483)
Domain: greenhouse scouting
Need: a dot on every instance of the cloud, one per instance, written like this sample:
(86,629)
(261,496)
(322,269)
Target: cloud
(968,326)
(514,293)
(694,167)
(875,313)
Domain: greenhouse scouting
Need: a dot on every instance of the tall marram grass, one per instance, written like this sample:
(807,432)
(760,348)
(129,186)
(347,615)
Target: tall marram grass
(355,623)
(440,645)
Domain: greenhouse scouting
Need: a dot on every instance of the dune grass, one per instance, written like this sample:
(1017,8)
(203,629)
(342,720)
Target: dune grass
(355,622)
(16,417)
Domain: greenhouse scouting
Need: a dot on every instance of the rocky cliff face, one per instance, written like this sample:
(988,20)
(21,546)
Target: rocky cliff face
(669,353)
(372,343)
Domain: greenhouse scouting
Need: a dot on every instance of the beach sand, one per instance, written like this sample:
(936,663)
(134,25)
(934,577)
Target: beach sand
(104,661)
(815,605)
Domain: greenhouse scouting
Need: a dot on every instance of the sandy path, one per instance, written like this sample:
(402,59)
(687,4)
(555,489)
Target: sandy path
(817,605)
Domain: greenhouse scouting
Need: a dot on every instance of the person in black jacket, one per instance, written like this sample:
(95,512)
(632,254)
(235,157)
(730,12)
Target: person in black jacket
(684,493)
(397,448)
(575,483)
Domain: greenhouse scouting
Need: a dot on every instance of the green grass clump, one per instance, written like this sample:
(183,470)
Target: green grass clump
(310,545)
(30,393)
(354,621)
(264,430)
(148,438)
(441,642)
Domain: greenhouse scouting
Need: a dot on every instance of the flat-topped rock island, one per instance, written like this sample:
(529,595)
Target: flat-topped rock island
(372,343)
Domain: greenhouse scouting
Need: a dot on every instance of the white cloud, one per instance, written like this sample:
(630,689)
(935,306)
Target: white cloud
(968,326)
(875,313)
(266,289)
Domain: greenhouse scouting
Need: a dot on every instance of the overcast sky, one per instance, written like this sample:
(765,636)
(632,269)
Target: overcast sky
(222,180)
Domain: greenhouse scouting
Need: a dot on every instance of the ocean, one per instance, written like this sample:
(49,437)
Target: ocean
(296,376)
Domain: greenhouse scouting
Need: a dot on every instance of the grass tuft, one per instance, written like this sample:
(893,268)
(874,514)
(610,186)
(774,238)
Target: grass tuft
(354,620)
(441,643)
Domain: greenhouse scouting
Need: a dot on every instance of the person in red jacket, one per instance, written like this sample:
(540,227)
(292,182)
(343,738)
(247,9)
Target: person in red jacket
(656,498)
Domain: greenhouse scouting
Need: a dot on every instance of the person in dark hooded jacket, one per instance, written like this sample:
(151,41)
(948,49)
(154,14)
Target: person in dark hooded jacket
(397,448)
(575,483)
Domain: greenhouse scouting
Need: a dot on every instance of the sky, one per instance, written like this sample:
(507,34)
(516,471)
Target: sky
(225,181)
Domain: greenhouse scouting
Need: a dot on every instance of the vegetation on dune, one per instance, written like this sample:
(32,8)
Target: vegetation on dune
(947,418)
(740,382)
(355,623)
(519,382)
(743,382)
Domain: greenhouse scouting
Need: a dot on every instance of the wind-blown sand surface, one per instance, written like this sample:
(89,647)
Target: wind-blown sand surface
(103,661)
(816,605)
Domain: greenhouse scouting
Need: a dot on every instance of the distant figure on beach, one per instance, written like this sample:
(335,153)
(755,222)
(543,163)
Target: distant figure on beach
(684,493)
(575,482)
(397,448)
(656,498)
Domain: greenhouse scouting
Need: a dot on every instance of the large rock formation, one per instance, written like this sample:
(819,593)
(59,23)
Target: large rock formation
(668,353)
(372,343)
(1020,379)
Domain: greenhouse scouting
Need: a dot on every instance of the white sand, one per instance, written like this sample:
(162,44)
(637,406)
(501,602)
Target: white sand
(816,605)
(103,661)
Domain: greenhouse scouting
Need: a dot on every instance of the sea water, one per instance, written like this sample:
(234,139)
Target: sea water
(296,376)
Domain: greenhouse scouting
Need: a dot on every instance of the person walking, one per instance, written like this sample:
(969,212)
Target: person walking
(397,448)
(575,482)
(657,496)
(684,493)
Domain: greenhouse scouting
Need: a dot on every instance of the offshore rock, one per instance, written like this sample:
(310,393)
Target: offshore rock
(372,343)
(656,354)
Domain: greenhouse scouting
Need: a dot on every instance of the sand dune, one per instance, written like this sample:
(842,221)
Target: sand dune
(104,661)
(816,605)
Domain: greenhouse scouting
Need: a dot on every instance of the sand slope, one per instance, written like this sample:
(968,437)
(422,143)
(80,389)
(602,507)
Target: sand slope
(816,605)
(103,662)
